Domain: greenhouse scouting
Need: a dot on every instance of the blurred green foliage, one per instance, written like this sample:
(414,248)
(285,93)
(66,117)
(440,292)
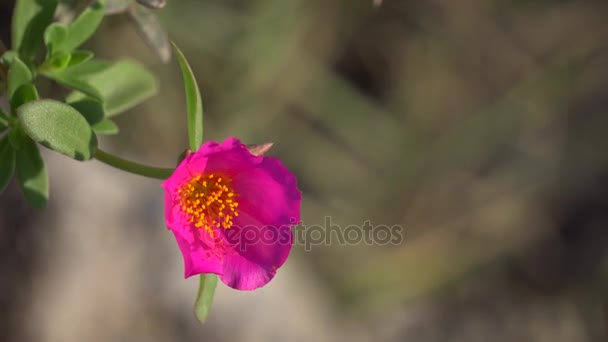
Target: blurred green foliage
(452,120)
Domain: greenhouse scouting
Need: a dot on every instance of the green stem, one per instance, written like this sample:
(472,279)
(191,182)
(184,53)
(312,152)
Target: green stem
(204,298)
(131,167)
(3,121)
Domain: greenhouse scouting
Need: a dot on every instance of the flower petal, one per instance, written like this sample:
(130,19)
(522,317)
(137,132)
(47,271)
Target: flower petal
(232,161)
(192,165)
(196,162)
(211,147)
(198,257)
(242,274)
(269,193)
(258,251)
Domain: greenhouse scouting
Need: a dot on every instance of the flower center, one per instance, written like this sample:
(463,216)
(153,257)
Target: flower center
(209,201)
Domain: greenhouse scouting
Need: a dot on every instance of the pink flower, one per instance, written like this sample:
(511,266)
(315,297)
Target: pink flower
(231,213)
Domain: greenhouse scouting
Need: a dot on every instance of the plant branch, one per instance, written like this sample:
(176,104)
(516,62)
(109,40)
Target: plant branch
(132,167)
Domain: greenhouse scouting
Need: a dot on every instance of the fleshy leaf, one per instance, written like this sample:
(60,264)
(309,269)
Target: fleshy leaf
(75,83)
(7,163)
(204,298)
(59,61)
(59,127)
(15,136)
(24,94)
(194,103)
(79,57)
(83,27)
(8,57)
(106,127)
(121,85)
(18,75)
(54,36)
(30,19)
(88,69)
(32,174)
(76,77)
(91,110)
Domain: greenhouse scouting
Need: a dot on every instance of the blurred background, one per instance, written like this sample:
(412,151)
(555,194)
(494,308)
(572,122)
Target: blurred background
(478,126)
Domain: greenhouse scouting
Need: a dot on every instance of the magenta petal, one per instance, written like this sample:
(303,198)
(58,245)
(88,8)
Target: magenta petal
(269,193)
(232,162)
(267,245)
(184,172)
(258,251)
(197,258)
(196,162)
(170,207)
(212,147)
(242,274)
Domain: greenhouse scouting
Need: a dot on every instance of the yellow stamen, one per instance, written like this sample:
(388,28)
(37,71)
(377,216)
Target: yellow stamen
(209,202)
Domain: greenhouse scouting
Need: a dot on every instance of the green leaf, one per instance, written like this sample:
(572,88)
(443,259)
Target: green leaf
(194,103)
(8,57)
(15,136)
(18,75)
(59,127)
(105,127)
(122,85)
(88,69)
(24,94)
(54,35)
(59,61)
(30,19)
(75,83)
(32,174)
(7,163)
(92,110)
(83,27)
(79,57)
(77,77)
(204,298)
